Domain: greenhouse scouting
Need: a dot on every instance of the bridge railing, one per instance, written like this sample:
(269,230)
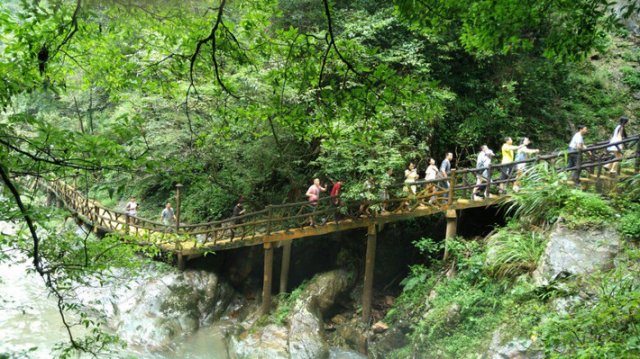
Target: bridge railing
(438,194)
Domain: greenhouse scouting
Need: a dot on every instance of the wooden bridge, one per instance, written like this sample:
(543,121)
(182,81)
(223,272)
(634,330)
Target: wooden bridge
(278,225)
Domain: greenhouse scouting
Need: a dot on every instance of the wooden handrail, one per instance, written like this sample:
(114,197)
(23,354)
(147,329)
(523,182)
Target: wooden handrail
(281,217)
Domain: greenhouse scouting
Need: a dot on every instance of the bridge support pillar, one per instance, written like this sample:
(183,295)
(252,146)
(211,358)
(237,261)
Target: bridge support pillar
(367,293)
(452,228)
(181,261)
(268,272)
(284,270)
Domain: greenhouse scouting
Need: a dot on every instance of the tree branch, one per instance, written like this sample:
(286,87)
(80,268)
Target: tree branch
(211,38)
(27,218)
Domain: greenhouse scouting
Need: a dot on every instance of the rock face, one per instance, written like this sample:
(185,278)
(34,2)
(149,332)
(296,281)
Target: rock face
(153,311)
(268,343)
(516,348)
(304,339)
(632,23)
(577,252)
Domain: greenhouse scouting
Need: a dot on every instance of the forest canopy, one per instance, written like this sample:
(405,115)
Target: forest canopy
(255,98)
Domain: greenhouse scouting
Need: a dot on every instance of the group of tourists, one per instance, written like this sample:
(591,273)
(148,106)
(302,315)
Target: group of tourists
(512,166)
(167,216)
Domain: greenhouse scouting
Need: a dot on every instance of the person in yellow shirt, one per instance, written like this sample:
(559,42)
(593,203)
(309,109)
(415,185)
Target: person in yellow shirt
(508,149)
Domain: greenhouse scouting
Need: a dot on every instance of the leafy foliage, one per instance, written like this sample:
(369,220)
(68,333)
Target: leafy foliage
(605,326)
(629,224)
(544,205)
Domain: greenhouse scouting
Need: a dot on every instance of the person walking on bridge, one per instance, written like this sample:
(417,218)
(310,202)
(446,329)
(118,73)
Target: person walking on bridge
(507,157)
(410,176)
(167,215)
(238,211)
(432,173)
(482,174)
(618,135)
(577,143)
(523,154)
(132,209)
(445,168)
(445,171)
(336,189)
(313,194)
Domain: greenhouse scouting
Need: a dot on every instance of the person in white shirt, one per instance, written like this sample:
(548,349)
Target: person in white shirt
(167,215)
(523,154)
(618,135)
(431,174)
(483,162)
(132,209)
(577,143)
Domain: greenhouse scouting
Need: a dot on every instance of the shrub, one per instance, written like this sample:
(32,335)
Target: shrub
(584,208)
(544,197)
(631,77)
(629,224)
(607,326)
(512,253)
(285,303)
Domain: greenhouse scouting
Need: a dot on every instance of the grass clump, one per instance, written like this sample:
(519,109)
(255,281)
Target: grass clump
(514,251)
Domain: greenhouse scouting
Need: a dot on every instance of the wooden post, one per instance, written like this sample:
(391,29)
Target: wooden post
(181,262)
(266,283)
(269,216)
(284,269)
(452,185)
(637,169)
(367,293)
(452,226)
(576,175)
(178,187)
(598,179)
(128,221)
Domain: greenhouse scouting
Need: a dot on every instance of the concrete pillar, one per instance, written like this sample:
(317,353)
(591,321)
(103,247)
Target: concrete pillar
(367,293)
(266,284)
(284,270)
(452,227)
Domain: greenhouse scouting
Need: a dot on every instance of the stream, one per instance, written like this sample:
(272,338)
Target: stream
(31,326)
(160,312)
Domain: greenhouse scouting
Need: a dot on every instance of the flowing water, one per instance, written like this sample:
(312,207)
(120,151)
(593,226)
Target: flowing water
(163,313)
(31,326)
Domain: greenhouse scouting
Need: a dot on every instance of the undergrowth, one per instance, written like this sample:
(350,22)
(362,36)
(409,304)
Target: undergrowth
(595,316)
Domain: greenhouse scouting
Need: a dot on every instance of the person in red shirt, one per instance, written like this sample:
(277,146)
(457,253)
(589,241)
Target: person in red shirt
(335,198)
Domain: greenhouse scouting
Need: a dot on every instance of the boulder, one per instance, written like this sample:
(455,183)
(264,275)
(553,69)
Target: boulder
(306,336)
(269,342)
(572,252)
(516,348)
(354,334)
(304,339)
(153,311)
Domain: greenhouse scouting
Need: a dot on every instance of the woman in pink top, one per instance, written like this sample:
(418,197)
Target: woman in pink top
(313,193)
